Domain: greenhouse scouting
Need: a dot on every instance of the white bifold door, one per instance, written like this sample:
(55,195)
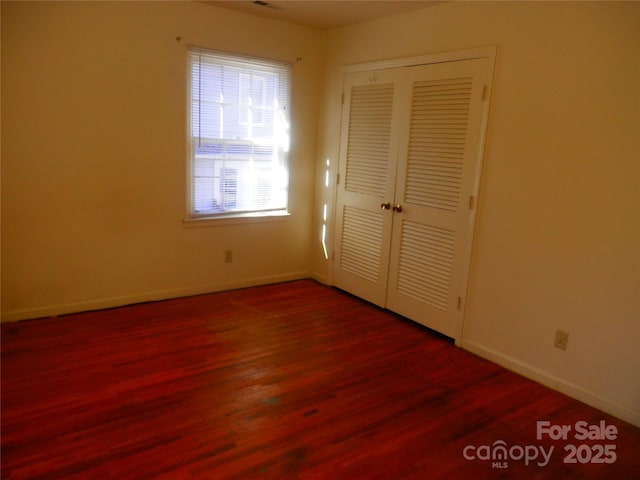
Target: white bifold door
(410,156)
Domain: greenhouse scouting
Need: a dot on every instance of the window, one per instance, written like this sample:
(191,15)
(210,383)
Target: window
(238,135)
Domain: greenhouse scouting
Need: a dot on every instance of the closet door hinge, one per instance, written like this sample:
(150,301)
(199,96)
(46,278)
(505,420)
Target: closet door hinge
(342,99)
(484,92)
(459,303)
(338,179)
(472,202)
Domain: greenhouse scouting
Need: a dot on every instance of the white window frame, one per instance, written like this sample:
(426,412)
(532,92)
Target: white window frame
(257,151)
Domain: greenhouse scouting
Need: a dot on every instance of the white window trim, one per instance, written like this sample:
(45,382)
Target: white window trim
(226,218)
(237,219)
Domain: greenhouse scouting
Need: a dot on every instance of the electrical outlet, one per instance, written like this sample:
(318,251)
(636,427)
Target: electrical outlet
(228,256)
(562,339)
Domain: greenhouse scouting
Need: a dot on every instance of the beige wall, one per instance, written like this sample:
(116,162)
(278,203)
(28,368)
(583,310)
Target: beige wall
(93,155)
(558,229)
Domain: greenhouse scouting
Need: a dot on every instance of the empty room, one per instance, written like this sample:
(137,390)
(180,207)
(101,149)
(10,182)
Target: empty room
(320,239)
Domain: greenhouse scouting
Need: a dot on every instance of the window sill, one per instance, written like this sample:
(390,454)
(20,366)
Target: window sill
(236,219)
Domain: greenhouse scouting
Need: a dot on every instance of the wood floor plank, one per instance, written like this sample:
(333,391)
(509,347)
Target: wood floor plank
(295,380)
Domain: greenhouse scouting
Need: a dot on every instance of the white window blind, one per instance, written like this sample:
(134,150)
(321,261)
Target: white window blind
(238,113)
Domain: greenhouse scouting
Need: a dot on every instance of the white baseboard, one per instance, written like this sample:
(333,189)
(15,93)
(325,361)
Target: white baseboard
(320,278)
(555,383)
(101,303)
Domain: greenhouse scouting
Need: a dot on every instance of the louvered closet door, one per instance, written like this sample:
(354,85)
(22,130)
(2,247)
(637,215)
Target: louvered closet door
(367,180)
(438,166)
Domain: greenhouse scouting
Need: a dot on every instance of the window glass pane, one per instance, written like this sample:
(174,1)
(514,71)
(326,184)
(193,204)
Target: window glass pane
(239,128)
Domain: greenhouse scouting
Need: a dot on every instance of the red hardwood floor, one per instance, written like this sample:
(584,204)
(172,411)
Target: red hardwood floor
(286,381)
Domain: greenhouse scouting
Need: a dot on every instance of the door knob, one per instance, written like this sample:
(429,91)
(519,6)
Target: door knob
(385,206)
(397,208)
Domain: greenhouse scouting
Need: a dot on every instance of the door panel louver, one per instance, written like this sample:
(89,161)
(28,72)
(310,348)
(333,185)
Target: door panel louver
(361,243)
(369,134)
(425,264)
(437,137)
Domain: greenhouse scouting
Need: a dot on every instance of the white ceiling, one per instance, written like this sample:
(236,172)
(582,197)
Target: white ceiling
(324,14)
